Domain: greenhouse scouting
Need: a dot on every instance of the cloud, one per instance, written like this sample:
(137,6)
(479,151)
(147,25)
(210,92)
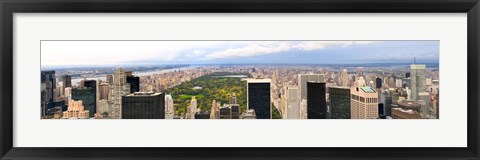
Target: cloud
(318,45)
(263,48)
(195,53)
(250,50)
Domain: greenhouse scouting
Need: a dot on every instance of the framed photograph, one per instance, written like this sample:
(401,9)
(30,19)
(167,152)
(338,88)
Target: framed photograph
(262,79)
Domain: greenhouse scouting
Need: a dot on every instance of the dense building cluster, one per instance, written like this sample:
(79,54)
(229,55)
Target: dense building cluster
(295,91)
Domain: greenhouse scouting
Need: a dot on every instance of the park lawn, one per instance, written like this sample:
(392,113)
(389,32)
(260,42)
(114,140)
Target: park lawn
(188,97)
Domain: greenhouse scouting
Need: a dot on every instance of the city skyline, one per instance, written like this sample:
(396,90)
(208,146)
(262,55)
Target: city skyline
(111,53)
(276,80)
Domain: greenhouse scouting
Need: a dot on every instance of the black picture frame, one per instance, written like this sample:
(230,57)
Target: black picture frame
(8,7)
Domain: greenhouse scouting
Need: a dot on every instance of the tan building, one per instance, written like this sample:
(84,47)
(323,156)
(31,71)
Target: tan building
(169,108)
(364,103)
(75,110)
(399,113)
(215,112)
(104,91)
(192,109)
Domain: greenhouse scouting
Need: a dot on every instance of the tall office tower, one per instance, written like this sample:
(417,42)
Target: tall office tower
(417,79)
(104,90)
(303,109)
(378,81)
(134,83)
(343,78)
(424,100)
(364,103)
(76,110)
(292,105)
(110,79)
(381,109)
(169,111)
(68,93)
(225,112)
(302,83)
(202,115)
(48,85)
(215,110)
(248,114)
(87,96)
(58,92)
(143,105)
(235,109)
(103,109)
(94,85)
(316,100)
(339,102)
(233,98)
(67,82)
(192,109)
(398,83)
(388,104)
(120,88)
(258,97)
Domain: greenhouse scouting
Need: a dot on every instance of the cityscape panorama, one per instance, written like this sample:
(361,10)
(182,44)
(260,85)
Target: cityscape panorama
(239,80)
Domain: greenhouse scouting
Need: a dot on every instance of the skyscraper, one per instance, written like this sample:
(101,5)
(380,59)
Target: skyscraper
(364,103)
(192,109)
(233,98)
(215,110)
(134,83)
(302,82)
(316,100)
(76,110)
(87,96)
(94,85)
(258,97)
(292,110)
(303,109)
(67,82)
(339,102)
(120,88)
(417,79)
(48,85)
(104,90)
(343,78)
(110,79)
(169,111)
(143,105)
(378,81)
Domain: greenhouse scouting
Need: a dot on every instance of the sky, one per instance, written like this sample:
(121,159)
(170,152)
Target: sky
(236,52)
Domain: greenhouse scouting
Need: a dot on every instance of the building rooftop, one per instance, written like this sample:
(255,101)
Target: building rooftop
(409,111)
(143,94)
(254,80)
(368,89)
(339,87)
(417,66)
(408,104)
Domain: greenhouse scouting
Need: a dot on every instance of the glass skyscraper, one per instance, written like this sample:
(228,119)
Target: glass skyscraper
(316,100)
(339,102)
(259,97)
(87,96)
